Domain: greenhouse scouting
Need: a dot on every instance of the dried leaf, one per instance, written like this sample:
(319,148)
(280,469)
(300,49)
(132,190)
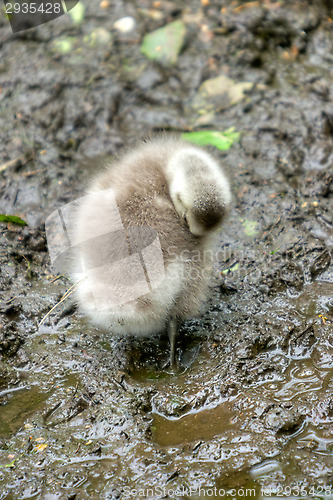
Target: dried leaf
(41,447)
(219,93)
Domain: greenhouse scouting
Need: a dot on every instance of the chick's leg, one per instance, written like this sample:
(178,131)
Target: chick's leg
(173,333)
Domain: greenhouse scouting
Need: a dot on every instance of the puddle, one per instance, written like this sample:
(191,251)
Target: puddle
(20,404)
(195,426)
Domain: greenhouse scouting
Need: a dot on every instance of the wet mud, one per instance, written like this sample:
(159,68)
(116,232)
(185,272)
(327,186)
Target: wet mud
(86,414)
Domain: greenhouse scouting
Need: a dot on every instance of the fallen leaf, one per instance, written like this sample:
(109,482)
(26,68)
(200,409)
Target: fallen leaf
(41,447)
(221,140)
(77,13)
(219,93)
(63,45)
(164,44)
(250,227)
(14,219)
(224,85)
(231,269)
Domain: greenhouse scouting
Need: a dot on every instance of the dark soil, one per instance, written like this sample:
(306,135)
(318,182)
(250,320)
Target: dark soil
(88,415)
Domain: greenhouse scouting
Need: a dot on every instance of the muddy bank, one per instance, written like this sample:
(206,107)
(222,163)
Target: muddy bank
(89,415)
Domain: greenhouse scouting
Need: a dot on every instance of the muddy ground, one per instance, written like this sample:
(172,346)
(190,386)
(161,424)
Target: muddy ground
(89,415)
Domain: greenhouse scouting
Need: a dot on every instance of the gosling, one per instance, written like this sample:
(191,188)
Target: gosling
(145,235)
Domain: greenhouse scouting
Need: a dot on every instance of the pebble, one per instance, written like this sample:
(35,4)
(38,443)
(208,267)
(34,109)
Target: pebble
(125,24)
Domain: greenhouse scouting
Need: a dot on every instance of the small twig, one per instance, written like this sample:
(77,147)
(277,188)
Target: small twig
(33,172)
(10,300)
(57,278)
(22,160)
(75,390)
(63,298)
(274,225)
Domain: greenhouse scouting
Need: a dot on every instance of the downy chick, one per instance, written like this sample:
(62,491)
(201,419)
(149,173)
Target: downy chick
(145,236)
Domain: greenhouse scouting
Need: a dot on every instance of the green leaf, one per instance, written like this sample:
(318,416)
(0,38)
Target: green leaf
(221,140)
(164,44)
(77,13)
(11,464)
(14,219)
(63,45)
(250,227)
(231,269)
